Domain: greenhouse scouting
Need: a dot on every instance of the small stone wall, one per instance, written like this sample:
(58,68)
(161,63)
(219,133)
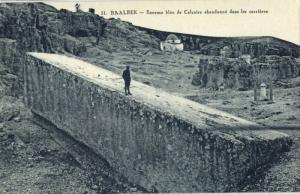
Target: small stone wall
(159,141)
(166,46)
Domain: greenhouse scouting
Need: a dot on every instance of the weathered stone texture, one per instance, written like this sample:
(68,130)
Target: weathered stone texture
(153,146)
(40,27)
(10,71)
(236,73)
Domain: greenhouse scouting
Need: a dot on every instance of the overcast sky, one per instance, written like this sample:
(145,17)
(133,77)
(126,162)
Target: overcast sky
(282,20)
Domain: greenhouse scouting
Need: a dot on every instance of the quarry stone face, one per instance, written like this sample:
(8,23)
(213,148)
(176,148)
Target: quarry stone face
(159,141)
(236,73)
(10,70)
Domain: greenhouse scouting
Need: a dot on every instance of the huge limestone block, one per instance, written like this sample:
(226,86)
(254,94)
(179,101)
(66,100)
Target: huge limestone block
(155,139)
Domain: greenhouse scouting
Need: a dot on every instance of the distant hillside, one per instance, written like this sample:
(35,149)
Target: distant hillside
(255,46)
(40,27)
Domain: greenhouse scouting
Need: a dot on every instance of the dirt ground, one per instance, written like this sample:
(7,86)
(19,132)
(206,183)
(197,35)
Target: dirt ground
(282,112)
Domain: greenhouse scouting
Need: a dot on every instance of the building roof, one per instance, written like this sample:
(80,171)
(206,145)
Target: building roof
(263,85)
(226,48)
(172,37)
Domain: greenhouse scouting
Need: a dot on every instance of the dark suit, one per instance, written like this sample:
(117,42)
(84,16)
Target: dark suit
(127,80)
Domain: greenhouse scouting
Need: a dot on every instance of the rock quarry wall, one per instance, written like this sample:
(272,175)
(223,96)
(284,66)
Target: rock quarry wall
(40,27)
(162,142)
(236,73)
(10,72)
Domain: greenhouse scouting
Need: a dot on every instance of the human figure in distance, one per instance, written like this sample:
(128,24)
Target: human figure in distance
(127,80)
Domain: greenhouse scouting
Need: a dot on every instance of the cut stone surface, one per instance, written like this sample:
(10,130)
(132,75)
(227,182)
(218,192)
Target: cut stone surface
(157,140)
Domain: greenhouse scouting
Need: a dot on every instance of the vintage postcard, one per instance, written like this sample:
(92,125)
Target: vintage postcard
(151,96)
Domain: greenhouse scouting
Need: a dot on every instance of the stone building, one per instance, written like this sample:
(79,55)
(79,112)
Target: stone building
(246,58)
(226,51)
(263,91)
(171,43)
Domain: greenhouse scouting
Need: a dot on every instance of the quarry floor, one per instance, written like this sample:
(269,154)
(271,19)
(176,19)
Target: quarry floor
(38,160)
(282,112)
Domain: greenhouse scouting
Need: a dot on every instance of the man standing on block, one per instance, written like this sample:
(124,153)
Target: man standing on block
(127,79)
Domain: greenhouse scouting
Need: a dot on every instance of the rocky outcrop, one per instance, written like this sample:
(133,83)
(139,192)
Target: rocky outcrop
(256,46)
(127,37)
(10,72)
(162,142)
(280,67)
(238,74)
(39,27)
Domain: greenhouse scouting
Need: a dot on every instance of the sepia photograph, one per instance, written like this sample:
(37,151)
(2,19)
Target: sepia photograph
(149,96)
